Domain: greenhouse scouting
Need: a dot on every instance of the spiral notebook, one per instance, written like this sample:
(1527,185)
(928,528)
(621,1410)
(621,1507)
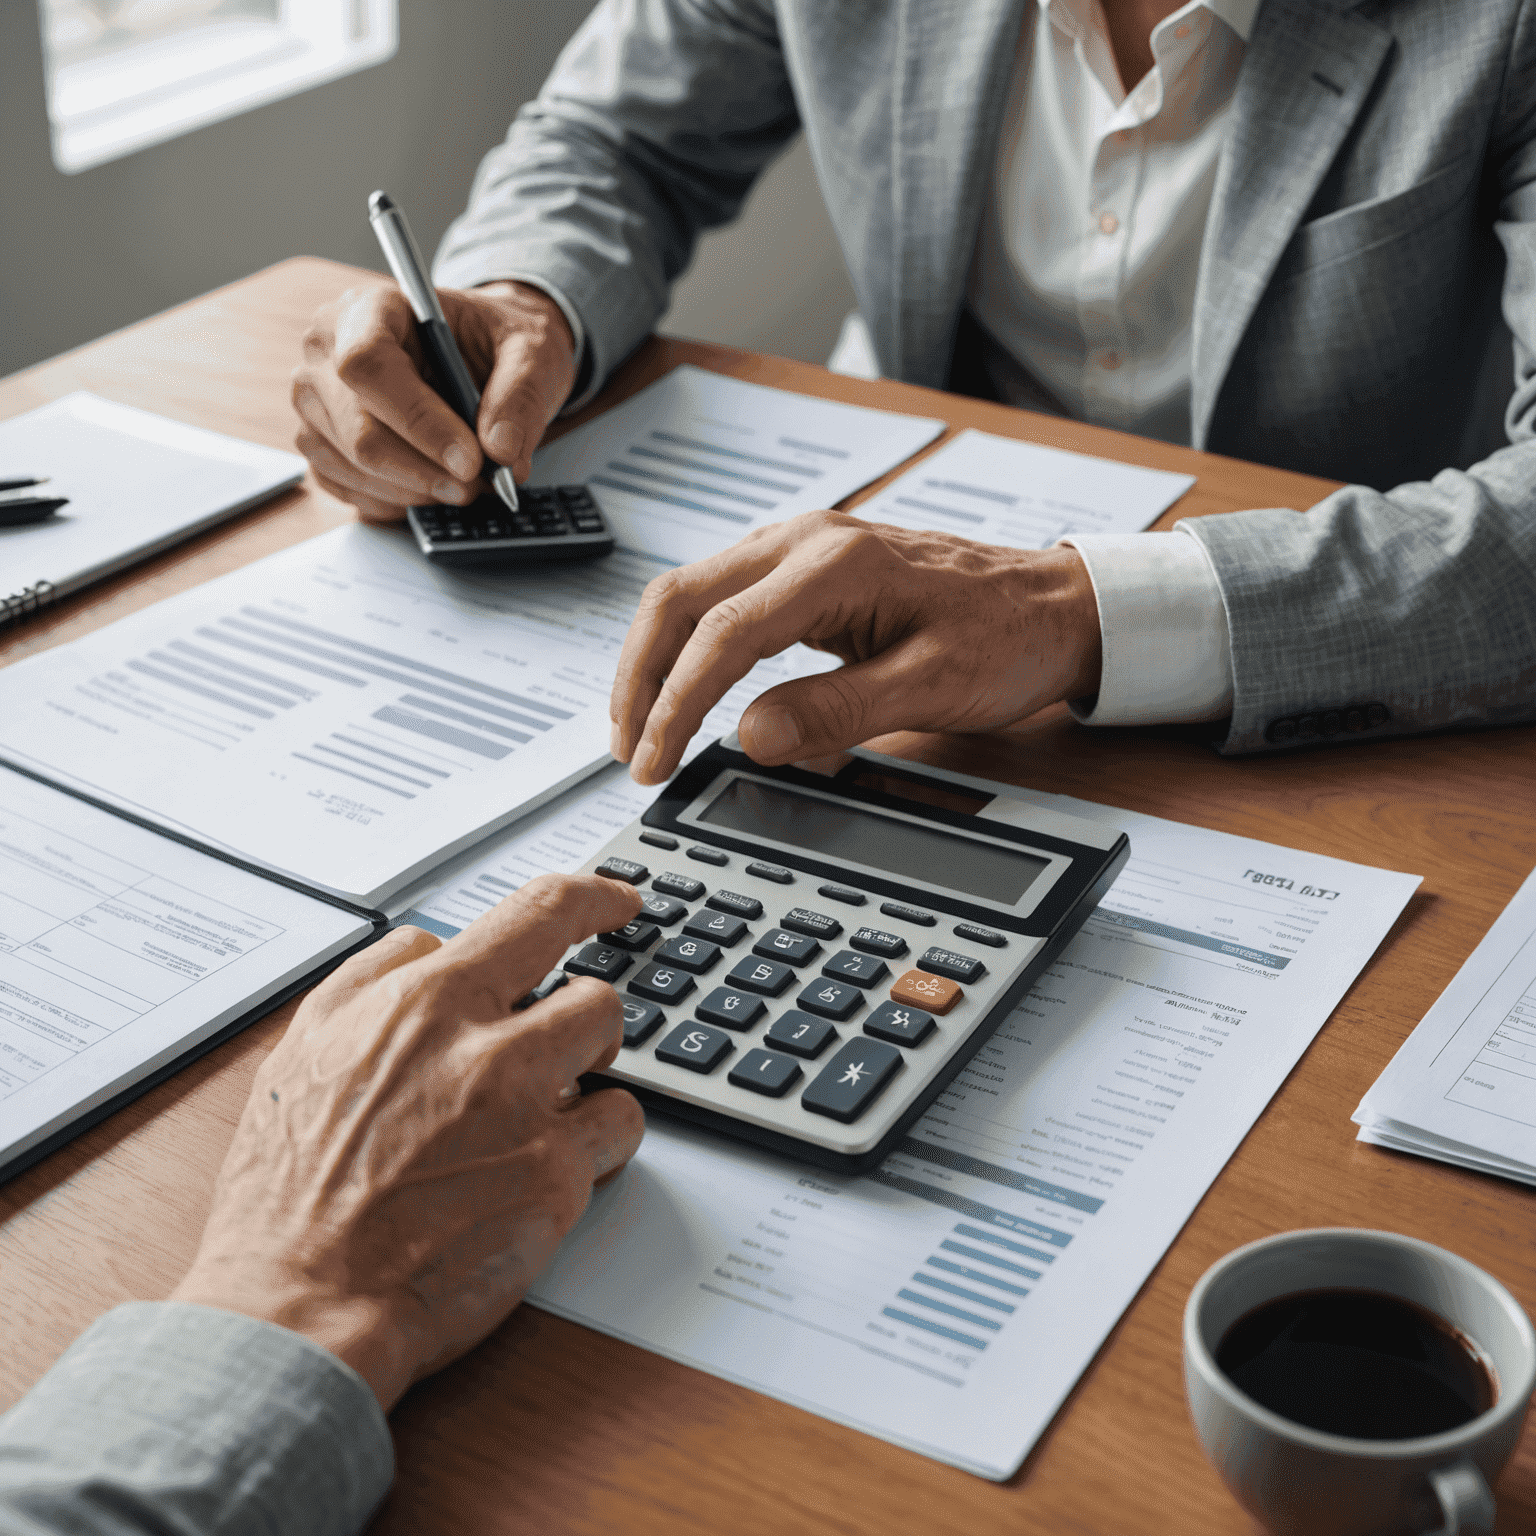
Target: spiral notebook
(136,484)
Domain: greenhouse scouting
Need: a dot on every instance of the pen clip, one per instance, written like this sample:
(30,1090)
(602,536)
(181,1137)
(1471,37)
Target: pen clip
(404,257)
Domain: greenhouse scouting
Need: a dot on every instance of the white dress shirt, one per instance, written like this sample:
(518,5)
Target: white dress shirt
(1085,272)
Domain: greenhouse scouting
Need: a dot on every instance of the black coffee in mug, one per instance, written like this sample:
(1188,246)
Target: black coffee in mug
(1357,1363)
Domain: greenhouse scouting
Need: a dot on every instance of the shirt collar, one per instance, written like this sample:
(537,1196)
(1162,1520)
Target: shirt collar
(1238,14)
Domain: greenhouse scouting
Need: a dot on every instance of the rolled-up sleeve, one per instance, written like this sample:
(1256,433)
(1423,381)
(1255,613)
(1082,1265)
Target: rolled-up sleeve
(178,1420)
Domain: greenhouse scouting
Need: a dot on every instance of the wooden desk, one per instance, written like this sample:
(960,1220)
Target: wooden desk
(548,1427)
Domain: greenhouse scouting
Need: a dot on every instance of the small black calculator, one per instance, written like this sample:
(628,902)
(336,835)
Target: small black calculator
(552,522)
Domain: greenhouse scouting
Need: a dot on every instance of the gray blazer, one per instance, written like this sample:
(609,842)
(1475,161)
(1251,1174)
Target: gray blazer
(1374,196)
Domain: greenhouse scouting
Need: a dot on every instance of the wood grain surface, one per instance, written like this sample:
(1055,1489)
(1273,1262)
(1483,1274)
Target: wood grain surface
(551,1428)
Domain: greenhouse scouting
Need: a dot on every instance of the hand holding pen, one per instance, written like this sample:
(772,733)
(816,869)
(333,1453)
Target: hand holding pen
(378,436)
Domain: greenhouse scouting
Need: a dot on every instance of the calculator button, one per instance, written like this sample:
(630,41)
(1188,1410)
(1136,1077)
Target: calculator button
(626,870)
(765,976)
(719,926)
(637,935)
(780,944)
(659,840)
(775,872)
(661,983)
(923,991)
(599,960)
(861,970)
(945,962)
(708,855)
(695,1046)
(843,893)
(546,988)
(908,914)
(748,907)
(875,942)
(831,999)
(641,1021)
(899,1025)
(678,885)
(812,923)
(800,1034)
(852,1080)
(765,1072)
(665,910)
(735,1010)
(979,935)
(695,955)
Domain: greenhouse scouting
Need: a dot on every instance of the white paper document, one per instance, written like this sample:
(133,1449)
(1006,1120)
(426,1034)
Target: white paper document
(1462,1088)
(120,950)
(136,483)
(695,461)
(949,1301)
(1000,491)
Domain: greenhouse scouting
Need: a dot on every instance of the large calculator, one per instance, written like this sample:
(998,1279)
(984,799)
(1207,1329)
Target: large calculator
(552,522)
(820,954)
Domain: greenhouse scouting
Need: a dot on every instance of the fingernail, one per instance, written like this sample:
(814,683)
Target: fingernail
(502,440)
(616,741)
(774,731)
(450,491)
(643,763)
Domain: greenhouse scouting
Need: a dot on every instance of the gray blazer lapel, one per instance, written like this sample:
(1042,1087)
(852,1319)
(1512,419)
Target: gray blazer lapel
(954,59)
(1287,126)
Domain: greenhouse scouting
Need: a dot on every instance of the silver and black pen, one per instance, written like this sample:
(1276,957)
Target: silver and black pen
(450,376)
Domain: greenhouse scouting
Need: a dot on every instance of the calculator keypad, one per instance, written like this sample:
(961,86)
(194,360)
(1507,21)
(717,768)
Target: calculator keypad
(781,944)
(735,1010)
(831,999)
(862,970)
(695,955)
(800,1034)
(765,976)
(695,1046)
(599,960)
(641,1021)
(853,1079)
(661,983)
(766,1072)
(724,929)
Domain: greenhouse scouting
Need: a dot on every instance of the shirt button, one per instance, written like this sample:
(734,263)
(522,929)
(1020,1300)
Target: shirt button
(1110,360)
(1108,223)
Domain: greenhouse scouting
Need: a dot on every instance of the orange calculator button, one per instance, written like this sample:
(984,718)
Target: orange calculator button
(935,993)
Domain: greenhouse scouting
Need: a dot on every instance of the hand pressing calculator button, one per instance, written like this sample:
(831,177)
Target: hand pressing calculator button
(735,1010)
(665,910)
(695,1046)
(831,999)
(765,976)
(765,1072)
(800,1034)
(719,926)
(779,944)
(852,1080)
(678,885)
(641,1021)
(861,970)
(812,923)
(945,962)
(600,961)
(901,1026)
(695,955)
(923,991)
(660,983)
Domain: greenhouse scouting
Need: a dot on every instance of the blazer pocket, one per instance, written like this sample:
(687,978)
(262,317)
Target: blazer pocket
(1352,231)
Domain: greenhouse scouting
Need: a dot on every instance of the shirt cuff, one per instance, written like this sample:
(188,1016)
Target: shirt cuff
(169,1416)
(1167,653)
(586,385)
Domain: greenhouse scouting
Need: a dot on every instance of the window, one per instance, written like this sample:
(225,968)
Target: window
(124,74)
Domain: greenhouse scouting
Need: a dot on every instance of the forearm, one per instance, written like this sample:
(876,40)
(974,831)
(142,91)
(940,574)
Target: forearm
(170,1418)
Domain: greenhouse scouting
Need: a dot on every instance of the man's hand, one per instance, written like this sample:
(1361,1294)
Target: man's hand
(377,436)
(936,634)
(414,1150)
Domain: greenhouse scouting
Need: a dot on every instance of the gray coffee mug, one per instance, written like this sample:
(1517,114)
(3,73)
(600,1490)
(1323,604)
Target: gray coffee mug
(1302,1482)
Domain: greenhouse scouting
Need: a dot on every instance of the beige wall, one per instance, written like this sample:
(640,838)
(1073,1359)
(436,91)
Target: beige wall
(80,255)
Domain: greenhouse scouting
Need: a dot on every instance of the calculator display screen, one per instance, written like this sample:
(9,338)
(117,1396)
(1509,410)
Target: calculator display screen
(847,833)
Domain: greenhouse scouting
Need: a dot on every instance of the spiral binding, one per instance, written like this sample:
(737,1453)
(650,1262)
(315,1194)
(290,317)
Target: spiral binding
(29,600)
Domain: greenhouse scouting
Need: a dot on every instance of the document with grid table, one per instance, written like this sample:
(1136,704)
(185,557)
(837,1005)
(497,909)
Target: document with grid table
(949,1300)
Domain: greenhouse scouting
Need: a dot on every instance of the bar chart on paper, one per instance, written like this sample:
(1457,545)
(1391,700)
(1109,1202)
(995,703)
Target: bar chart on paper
(696,460)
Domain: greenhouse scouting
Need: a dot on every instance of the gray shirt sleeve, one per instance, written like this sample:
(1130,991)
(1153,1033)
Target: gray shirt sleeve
(174,1419)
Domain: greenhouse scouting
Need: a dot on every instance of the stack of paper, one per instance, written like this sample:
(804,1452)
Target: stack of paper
(1463,1087)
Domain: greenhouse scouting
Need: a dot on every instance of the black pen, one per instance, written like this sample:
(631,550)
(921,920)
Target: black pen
(18,510)
(452,377)
(20,485)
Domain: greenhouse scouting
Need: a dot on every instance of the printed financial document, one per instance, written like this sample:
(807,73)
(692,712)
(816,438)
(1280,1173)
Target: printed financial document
(1462,1087)
(1001,491)
(950,1300)
(695,461)
(120,949)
